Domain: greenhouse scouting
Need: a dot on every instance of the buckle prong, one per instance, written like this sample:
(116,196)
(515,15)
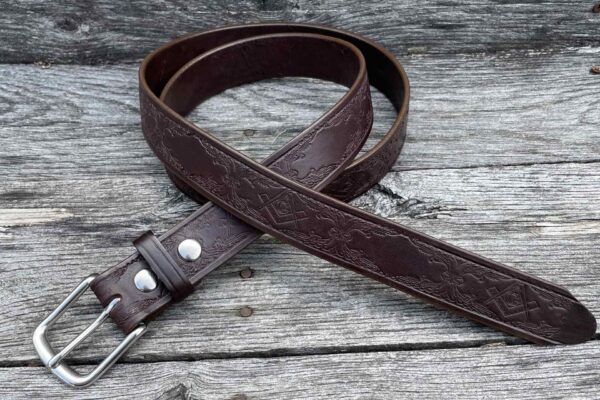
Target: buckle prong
(54,361)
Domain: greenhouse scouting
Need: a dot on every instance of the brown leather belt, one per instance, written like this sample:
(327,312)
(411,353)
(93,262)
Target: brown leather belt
(299,193)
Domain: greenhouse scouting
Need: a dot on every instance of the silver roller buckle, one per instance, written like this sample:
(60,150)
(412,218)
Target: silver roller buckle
(54,361)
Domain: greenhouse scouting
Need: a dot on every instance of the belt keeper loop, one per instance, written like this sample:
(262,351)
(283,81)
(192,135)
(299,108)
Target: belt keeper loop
(163,265)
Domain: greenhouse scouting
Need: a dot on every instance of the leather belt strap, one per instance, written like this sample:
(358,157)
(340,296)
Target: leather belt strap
(299,193)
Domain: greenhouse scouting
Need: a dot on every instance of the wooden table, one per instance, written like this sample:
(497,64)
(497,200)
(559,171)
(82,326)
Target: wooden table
(502,158)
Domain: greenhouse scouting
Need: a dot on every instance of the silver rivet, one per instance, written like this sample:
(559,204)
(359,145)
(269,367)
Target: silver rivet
(189,250)
(144,281)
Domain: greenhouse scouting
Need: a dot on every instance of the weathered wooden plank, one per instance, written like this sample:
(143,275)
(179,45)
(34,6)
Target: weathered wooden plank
(543,220)
(465,111)
(106,31)
(502,158)
(78,183)
(513,372)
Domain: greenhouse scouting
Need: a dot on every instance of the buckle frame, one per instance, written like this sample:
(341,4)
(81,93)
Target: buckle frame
(54,361)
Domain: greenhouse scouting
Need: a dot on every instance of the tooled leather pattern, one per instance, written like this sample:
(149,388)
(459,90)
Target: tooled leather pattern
(233,231)
(487,292)
(393,254)
(353,240)
(218,231)
(357,179)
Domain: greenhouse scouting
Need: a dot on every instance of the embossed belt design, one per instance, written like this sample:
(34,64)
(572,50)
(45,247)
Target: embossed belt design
(298,194)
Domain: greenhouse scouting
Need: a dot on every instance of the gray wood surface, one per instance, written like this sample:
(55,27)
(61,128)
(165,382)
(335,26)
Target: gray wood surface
(502,158)
(108,30)
(510,372)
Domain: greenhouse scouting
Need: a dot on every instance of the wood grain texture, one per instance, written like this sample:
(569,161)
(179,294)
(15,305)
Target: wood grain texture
(504,372)
(108,31)
(465,111)
(524,216)
(502,158)
(87,184)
